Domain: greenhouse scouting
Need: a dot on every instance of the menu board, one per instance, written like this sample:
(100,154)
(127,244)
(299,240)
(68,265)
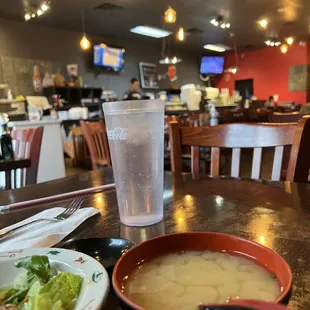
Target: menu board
(148,75)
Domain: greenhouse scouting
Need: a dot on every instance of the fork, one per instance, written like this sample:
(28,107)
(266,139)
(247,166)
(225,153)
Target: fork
(73,207)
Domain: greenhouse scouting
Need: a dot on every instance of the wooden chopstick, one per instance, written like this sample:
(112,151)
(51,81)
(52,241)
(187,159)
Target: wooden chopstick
(64,196)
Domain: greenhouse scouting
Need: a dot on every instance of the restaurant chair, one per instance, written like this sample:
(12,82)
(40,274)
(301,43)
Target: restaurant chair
(81,156)
(97,141)
(239,136)
(23,170)
(291,117)
(185,120)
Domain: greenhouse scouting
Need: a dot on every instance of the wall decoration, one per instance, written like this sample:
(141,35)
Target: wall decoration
(299,78)
(37,82)
(18,73)
(172,73)
(148,75)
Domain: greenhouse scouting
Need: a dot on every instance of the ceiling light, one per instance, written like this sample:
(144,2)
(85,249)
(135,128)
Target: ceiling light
(290,40)
(44,7)
(84,43)
(213,21)
(223,26)
(268,42)
(228,25)
(39,12)
(263,23)
(180,34)
(216,24)
(234,70)
(272,44)
(170,16)
(168,61)
(216,47)
(27,16)
(33,15)
(150,31)
(284,48)
(278,43)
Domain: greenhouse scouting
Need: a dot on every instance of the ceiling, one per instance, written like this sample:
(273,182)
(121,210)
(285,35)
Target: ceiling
(287,17)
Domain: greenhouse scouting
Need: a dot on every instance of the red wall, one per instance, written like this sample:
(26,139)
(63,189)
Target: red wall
(269,68)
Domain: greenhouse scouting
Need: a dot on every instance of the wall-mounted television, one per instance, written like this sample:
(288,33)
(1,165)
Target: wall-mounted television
(212,65)
(110,58)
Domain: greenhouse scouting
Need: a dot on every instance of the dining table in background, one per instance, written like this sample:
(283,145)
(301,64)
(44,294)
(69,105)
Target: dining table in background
(275,214)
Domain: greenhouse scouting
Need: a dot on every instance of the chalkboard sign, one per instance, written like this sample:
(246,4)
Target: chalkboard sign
(148,75)
(18,73)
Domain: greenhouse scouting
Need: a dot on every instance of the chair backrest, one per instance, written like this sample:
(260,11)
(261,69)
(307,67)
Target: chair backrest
(97,141)
(238,136)
(27,145)
(291,117)
(80,149)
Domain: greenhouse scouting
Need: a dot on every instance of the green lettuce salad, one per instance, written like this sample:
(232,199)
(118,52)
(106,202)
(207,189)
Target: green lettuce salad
(39,287)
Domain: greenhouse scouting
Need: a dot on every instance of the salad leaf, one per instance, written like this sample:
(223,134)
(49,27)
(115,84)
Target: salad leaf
(64,287)
(43,301)
(2,294)
(38,266)
(24,279)
(34,289)
(14,296)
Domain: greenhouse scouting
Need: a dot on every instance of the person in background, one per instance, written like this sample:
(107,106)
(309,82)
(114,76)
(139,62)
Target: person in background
(270,103)
(133,92)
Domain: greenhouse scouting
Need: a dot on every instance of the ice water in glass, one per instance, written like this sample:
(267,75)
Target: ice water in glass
(136,139)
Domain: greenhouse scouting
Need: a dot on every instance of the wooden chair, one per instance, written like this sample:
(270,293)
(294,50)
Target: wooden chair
(80,149)
(97,142)
(238,136)
(10,169)
(292,117)
(24,169)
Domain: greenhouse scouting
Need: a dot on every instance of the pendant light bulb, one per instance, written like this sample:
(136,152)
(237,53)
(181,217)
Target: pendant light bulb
(290,40)
(180,35)
(284,48)
(263,23)
(84,43)
(170,16)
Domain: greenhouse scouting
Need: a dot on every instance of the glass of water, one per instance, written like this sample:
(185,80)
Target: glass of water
(136,138)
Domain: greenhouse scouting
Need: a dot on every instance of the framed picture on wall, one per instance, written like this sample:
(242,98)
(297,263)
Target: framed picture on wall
(299,78)
(148,75)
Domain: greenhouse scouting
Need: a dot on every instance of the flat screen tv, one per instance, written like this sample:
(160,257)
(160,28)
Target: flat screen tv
(109,58)
(212,65)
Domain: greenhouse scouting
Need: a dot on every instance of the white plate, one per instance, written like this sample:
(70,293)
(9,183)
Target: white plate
(96,282)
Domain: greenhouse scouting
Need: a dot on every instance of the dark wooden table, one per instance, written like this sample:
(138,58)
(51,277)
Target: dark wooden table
(276,214)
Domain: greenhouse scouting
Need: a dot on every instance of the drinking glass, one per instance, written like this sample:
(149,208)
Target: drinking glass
(135,132)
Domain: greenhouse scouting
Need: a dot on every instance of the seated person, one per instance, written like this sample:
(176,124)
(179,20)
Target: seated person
(270,103)
(133,92)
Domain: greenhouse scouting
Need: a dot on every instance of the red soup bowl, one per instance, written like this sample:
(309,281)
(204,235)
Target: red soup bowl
(200,241)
